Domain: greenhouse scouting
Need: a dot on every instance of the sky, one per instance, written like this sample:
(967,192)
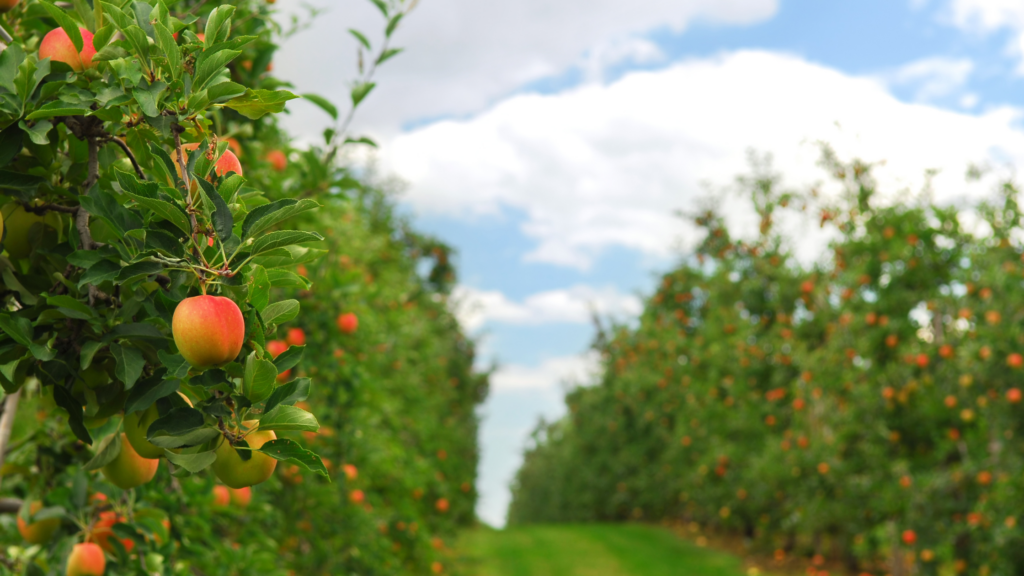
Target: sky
(553,143)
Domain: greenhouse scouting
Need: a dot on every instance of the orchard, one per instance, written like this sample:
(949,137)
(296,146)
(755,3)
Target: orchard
(210,340)
(864,410)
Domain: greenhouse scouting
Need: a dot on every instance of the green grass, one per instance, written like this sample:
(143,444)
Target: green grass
(588,550)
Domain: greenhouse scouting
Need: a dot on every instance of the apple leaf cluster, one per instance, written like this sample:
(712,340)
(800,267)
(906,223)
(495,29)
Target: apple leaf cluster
(866,409)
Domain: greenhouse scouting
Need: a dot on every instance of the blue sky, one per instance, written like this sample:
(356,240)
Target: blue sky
(552,150)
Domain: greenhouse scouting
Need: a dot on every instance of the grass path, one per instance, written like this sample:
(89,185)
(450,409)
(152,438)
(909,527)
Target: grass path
(589,550)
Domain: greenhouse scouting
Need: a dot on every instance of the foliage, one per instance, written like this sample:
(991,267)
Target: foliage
(131,222)
(866,408)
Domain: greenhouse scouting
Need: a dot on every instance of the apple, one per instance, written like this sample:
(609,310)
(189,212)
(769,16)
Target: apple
(226,164)
(240,497)
(909,537)
(946,351)
(1015,360)
(7,5)
(128,469)
(276,348)
(137,424)
(296,337)
(236,473)
(1013,395)
(441,505)
(356,496)
(348,322)
(103,530)
(208,330)
(221,496)
(922,360)
(291,474)
(40,531)
(19,224)
(351,472)
(86,560)
(58,47)
(277,160)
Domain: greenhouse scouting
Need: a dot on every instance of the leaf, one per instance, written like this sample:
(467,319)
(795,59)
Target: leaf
(170,48)
(103,36)
(66,23)
(222,220)
(388,54)
(382,6)
(224,91)
(19,182)
(215,24)
(259,379)
(106,451)
(283,238)
(254,104)
(39,132)
(192,462)
(74,409)
(393,24)
(18,328)
(129,364)
(148,97)
(295,391)
(149,391)
(89,350)
(137,270)
(85,13)
(263,217)
(72,308)
(290,452)
(259,288)
(136,330)
(360,37)
(323,103)
(284,418)
(139,42)
(177,366)
(100,272)
(287,279)
(361,91)
(289,358)
(280,312)
(57,108)
(176,422)
(288,256)
(211,66)
(193,437)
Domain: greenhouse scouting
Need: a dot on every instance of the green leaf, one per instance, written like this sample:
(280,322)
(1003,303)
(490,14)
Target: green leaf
(266,216)
(106,451)
(139,41)
(388,54)
(259,379)
(39,132)
(65,400)
(289,358)
(136,330)
(259,288)
(149,391)
(291,452)
(89,350)
(254,104)
(280,312)
(100,272)
(149,97)
(13,283)
(18,328)
(215,30)
(193,437)
(165,38)
(323,103)
(287,279)
(71,307)
(224,91)
(57,109)
(65,22)
(138,270)
(283,238)
(177,422)
(116,15)
(288,256)
(361,91)
(392,24)
(295,391)
(85,13)
(192,462)
(211,66)
(129,364)
(164,210)
(103,36)
(19,182)
(382,6)
(109,53)
(284,418)
(222,220)
(177,366)
(359,36)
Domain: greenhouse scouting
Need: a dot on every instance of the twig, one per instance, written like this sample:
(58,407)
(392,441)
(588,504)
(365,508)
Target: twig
(10,505)
(6,423)
(128,152)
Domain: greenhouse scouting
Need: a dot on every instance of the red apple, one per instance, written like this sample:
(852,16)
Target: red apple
(240,497)
(40,531)
(441,505)
(227,162)
(58,47)
(103,530)
(348,322)
(1013,395)
(296,337)
(221,496)
(356,496)
(1015,360)
(86,560)
(277,160)
(351,472)
(909,537)
(208,330)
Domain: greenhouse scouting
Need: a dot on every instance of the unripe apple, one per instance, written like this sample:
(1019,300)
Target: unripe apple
(7,5)
(277,160)
(103,530)
(236,473)
(348,322)
(296,337)
(227,162)
(276,348)
(86,560)
(58,47)
(240,497)
(128,469)
(40,531)
(221,496)
(19,225)
(208,330)
(136,425)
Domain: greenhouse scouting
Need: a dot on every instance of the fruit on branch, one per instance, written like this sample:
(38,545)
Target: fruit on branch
(278,161)
(441,505)
(137,424)
(356,496)
(237,473)
(103,531)
(296,337)
(221,496)
(240,497)
(227,162)
(351,472)
(8,5)
(348,322)
(58,47)
(40,531)
(128,469)
(208,330)
(86,560)
(276,348)
(19,224)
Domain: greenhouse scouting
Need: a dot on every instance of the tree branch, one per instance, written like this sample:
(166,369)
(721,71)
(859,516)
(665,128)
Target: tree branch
(6,423)
(10,505)
(128,152)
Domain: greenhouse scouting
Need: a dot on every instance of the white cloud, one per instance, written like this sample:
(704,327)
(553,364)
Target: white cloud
(601,166)
(552,374)
(569,305)
(986,16)
(464,54)
(934,77)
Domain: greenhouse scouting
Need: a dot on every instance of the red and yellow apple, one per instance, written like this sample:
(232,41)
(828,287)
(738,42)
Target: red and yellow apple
(296,337)
(128,469)
(86,560)
(58,47)
(221,496)
(103,530)
(240,497)
(226,164)
(40,531)
(236,473)
(278,160)
(208,330)
(348,322)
